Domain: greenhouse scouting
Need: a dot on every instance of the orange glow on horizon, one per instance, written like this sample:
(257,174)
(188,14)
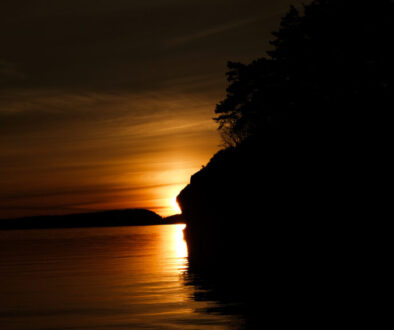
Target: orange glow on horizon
(175,206)
(165,202)
(165,154)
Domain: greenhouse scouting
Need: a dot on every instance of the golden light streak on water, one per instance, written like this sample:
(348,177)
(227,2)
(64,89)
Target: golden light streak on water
(178,248)
(112,278)
(180,243)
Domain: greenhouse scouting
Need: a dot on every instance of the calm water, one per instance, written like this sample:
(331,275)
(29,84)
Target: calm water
(102,278)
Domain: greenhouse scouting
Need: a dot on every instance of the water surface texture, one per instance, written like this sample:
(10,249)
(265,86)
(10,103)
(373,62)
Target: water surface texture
(102,278)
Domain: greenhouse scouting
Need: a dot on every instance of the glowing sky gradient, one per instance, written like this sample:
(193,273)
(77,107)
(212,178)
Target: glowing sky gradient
(107,104)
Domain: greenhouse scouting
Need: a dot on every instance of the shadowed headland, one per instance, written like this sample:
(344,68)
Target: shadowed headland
(280,216)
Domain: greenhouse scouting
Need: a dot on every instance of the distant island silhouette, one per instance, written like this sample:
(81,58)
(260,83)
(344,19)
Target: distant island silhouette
(128,217)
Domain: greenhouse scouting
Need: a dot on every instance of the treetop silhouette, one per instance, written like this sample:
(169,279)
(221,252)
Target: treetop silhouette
(331,66)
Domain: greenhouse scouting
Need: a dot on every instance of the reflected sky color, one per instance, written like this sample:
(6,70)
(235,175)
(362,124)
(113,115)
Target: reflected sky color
(101,278)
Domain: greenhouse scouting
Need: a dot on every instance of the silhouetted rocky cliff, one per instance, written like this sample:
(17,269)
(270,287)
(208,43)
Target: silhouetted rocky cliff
(307,129)
(288,208)
(256,197)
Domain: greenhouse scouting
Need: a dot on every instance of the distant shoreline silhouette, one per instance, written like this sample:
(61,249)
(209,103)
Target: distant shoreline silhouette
(128,217)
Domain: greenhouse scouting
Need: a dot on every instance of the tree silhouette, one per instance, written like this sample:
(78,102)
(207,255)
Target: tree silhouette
(330,73)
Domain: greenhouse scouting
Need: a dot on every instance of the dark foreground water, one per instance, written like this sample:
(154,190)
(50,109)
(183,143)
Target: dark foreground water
(103,278)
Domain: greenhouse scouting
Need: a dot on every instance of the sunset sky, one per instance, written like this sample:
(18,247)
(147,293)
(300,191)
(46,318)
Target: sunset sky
(108,104)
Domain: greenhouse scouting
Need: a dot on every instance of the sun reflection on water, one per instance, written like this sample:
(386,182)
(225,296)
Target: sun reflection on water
(180,243)
(180,248)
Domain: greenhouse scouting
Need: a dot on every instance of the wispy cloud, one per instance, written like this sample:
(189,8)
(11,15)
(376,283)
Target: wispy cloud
(114,110)
(210,31)
(100,150)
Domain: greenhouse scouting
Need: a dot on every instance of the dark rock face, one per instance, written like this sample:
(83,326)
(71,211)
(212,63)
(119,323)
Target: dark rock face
(242,200)
(261,190)
(274,236)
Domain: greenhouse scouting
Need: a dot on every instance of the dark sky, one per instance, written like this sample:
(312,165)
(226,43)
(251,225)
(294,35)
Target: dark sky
(108,103)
